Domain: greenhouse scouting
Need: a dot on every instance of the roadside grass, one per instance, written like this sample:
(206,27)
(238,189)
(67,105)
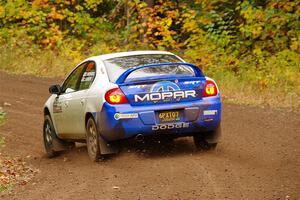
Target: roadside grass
(33,61)
(237,91)
(27,58)
(2,116)
(2,142)
(4,188)
(2,120)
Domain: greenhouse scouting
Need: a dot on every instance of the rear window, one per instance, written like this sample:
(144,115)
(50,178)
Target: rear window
(116,66)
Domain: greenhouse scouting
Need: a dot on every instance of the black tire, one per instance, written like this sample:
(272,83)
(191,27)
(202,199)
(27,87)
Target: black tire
(92,140)
(202,144)
(49,136)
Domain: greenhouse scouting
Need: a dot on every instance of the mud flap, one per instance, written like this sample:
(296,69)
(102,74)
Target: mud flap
(106,148)
(58,145)
(214,136)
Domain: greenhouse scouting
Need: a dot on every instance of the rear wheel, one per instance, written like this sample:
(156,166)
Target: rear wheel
(92,140)
(202,144)
(49,137)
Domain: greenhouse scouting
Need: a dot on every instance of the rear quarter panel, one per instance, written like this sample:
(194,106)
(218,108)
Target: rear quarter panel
(100,86)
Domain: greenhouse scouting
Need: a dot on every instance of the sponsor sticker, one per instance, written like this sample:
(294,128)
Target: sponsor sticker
(165,96)
(164,86)
(165,91)
(210,112)
(137,86)
(87,76)
(118,116)
(57,108)
(90,67)
(191,82)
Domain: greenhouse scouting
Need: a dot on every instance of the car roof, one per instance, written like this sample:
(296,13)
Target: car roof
(131,53)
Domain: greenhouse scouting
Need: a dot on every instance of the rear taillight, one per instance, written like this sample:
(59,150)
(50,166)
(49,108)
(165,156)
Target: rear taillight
(210,89)
(115,96)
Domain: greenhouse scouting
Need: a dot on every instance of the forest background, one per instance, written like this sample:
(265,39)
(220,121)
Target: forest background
(250,47)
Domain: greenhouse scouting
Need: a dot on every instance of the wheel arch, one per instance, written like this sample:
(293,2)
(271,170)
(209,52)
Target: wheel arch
(46,111)
(87,116)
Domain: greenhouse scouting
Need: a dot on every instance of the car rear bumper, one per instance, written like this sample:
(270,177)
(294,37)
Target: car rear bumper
(116,122)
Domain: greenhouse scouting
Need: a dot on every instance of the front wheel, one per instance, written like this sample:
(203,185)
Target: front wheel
(49,137)
(92,140)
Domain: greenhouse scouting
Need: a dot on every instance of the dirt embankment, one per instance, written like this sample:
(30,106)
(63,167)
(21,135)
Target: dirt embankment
(258,158)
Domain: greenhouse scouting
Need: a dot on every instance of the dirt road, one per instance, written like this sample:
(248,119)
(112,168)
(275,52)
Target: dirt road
(258,158)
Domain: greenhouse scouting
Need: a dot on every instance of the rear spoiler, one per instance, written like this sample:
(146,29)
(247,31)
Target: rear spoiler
(122,78)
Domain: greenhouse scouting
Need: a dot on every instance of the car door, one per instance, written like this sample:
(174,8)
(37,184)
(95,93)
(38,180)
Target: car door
(75,115)
(61,103)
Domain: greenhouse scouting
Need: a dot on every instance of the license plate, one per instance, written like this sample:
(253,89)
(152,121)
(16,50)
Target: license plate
(169,116)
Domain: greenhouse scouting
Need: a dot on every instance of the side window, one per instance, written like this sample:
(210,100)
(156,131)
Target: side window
(71,83)
(88,76)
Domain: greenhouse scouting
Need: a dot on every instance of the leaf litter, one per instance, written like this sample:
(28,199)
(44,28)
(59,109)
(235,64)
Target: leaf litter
(14,171)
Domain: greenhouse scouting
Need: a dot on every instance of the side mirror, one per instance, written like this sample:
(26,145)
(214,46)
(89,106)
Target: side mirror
(55,89)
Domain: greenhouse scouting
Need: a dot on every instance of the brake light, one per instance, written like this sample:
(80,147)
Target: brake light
(210,89)
(115,96)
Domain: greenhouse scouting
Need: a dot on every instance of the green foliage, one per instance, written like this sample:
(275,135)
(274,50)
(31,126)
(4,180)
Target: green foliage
(48,23)
(248,46)
(4,188)
(2,116)
(2,119)
(2,143)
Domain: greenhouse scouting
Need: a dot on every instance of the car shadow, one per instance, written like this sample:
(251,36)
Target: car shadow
(160,148)
(149,149)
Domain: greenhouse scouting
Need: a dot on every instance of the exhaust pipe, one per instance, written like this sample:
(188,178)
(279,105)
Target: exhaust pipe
(139,137)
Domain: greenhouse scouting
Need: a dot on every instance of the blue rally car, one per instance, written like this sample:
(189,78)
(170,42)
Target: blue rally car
(135,94)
